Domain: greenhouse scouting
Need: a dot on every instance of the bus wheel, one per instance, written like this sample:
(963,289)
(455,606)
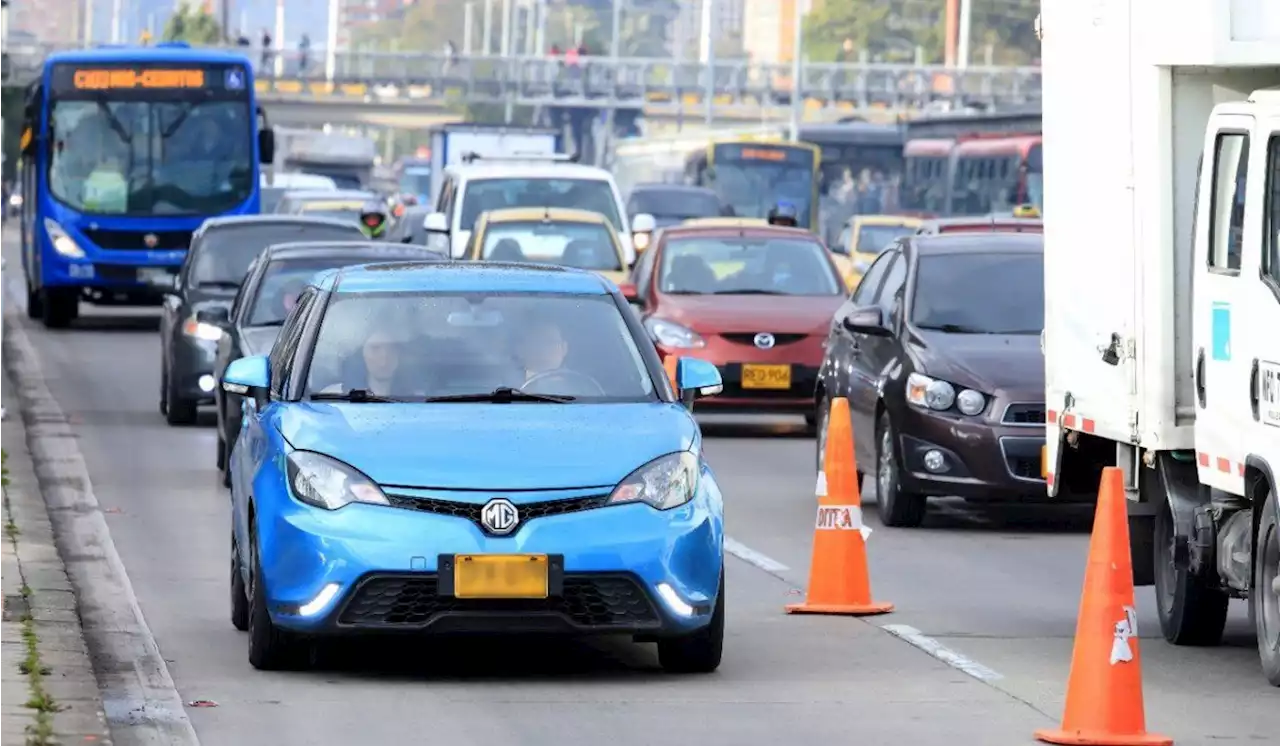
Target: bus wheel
(35,306)
(59,307)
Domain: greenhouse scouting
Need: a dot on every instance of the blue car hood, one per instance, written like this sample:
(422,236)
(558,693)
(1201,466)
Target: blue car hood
(491,446)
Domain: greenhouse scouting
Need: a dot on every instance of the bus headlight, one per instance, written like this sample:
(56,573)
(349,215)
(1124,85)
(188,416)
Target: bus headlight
(62,243)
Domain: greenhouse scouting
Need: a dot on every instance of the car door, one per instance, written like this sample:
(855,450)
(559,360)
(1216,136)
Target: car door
(843,373)
(876,355)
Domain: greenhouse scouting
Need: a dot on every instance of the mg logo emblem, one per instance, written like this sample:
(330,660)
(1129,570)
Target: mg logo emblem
(765,341)
(151,240)
(499,516)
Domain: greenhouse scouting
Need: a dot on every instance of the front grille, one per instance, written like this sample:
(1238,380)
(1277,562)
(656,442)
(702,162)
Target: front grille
(135,241)
(471,511)
(1024,414)
(749,338)
(1022,457)
(591,601)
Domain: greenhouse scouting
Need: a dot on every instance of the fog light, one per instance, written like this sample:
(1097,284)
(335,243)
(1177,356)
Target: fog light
(673,601)
(934,461)
(322,599)
(206,383)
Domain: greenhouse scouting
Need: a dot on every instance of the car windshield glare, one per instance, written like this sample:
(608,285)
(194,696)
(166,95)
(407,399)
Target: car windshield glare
(225,252)
(416,346)
(740,265)
(284,281)
(594,195)
(980,293)
(580,245)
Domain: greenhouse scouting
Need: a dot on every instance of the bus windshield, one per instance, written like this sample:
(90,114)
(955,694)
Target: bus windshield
(131,150)
(752,179)
(858,180)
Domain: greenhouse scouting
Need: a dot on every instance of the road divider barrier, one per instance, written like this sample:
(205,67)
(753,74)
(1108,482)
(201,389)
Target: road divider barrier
(839,579)
(1104,689)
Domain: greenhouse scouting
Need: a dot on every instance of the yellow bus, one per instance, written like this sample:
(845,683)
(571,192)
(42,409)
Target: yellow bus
(753,175)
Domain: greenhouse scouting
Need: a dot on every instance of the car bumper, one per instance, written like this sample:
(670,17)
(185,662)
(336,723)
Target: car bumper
(128,275)
(980,460)
(191,368)
(624,569)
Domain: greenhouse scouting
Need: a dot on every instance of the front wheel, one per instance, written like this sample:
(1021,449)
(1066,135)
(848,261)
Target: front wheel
(1264,601)
(701,651)
(177,410)
(270,648)
(35,303)
(59,307)
(1191,611)
(239,593)
(898,507)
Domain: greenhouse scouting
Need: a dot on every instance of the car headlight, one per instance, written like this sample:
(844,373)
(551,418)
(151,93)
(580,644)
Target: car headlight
(62,243)
(670,334)
(971,402)
(201,330)
(640,241)
(665,483)
(327,483)
(930,393)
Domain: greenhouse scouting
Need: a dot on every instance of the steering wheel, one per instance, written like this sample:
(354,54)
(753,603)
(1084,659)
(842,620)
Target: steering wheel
(564,374)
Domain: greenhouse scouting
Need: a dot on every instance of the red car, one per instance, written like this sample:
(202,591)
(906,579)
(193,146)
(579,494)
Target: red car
(754,299)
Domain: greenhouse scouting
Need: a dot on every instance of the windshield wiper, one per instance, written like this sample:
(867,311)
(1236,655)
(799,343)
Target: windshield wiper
(503,395)
(954,329)
(354,395)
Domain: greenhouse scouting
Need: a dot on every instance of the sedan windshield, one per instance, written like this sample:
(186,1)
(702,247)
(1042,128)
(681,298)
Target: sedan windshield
(285,279)
(874,239)
(980,293)
(747,266)
(423,345)
(482,195)
(226,251)
(580,245)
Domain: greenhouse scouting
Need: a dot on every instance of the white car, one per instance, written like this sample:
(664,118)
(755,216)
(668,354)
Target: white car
(470,189)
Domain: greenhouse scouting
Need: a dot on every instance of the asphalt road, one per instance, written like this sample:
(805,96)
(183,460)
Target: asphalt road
(997,587)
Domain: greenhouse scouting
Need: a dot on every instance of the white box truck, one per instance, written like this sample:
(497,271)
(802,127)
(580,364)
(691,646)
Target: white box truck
(452,143)
(1162,272)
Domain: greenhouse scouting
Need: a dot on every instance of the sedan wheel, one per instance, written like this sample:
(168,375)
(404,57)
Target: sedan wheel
(897,508)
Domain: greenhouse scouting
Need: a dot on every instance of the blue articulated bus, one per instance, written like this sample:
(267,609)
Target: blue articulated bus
(125,152)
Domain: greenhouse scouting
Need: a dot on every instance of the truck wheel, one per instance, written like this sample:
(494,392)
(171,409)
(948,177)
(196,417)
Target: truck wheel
(1191,611)
(1264,601)
(58,307)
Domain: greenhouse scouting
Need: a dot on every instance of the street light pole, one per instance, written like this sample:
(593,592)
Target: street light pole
(797,70)
(709,57)
(331,44)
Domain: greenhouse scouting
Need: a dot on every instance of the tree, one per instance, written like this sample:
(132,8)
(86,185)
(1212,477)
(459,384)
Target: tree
(193,25)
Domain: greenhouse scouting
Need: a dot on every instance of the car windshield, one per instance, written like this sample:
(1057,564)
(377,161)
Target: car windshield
(151,157)
(980,293)
(226,251)
(482,195)
(416,345)
(669,207)
(341,209)
(416,180)
(285,279)
(747,266)
(569,244)
(873,239)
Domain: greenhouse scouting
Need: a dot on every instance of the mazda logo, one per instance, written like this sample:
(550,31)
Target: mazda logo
(499,516)
(765,341)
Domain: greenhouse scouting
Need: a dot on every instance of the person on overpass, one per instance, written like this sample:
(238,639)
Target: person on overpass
(374,220)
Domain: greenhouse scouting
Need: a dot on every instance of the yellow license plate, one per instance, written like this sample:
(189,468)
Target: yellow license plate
(1044,462)
(500,576)
(766,376)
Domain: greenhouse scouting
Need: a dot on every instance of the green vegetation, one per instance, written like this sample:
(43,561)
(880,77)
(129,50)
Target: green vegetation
(193,25)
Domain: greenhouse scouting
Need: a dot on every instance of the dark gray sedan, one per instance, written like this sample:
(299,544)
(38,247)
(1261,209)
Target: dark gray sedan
(268,294)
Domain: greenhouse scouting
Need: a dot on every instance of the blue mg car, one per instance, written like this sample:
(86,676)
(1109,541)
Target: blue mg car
(472,448)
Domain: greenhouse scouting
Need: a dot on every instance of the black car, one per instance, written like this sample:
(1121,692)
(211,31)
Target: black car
(938,353)
(270,289)
(672,204)
(215,265)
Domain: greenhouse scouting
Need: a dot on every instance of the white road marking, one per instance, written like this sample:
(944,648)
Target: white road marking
(942,652)
(752,557)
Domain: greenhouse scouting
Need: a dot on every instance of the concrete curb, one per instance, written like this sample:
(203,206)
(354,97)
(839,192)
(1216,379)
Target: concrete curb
(139,698)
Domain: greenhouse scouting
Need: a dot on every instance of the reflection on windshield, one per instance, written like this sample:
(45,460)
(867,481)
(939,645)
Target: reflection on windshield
(151,157)
(594,195)
(980,293)
(429,344)
(225,252)
(745,266)
(873,239)
(754,188)
(580,245)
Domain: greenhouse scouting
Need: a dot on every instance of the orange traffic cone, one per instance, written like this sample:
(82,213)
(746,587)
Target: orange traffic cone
(669,364)
(839,582)
(1104,691)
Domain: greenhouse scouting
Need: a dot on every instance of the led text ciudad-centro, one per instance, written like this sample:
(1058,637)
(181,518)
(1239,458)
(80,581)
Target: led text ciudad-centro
(108,79)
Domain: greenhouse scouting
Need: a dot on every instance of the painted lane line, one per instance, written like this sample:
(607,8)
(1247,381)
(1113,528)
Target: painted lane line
(942,652)
(752,557)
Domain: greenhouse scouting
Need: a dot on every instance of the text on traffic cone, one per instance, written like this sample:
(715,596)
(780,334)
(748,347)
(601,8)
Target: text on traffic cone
(839,580)
(1104,689)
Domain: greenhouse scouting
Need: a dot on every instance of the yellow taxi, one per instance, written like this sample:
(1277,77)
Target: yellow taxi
(862,240)
(549,235)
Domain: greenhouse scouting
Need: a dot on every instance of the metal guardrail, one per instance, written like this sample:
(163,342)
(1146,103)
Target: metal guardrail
(601,82)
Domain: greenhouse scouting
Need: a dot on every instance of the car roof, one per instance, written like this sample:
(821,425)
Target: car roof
(721,227)
(158,53)
(564,214)
(330,194)
(372,249)
(222,221)
(995,221)
(529,169)
(466,277)
(980,243)
(904,220)
(661,186)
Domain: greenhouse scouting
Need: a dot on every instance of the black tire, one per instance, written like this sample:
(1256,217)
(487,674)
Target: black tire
(224,472)
(220,458)
(1264,601)
(58,307)
(270,648)
(1191,611)
(177,411)
(701,651)
(897,507)
(820,439)
(239,593)
(35,304)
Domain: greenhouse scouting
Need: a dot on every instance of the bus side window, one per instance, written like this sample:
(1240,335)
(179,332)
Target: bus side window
(1226,215)
(1271,216)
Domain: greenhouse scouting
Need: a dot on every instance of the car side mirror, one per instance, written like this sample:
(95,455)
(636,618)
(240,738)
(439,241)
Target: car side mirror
(695,378)
(217,316)
(266,145)
(867,320)
(249,377)
(435,222)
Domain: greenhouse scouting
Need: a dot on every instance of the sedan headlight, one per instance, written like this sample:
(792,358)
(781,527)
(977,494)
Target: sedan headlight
(62,243)
(931,393)
(327,483)
(665,483)
(669,334)
(201,330)
(971,402)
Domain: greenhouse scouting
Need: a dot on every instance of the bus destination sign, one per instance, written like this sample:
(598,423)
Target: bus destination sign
(767,153)
(106,79)
(142,79)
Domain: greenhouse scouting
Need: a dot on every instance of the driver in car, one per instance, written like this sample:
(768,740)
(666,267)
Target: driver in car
(541,350)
